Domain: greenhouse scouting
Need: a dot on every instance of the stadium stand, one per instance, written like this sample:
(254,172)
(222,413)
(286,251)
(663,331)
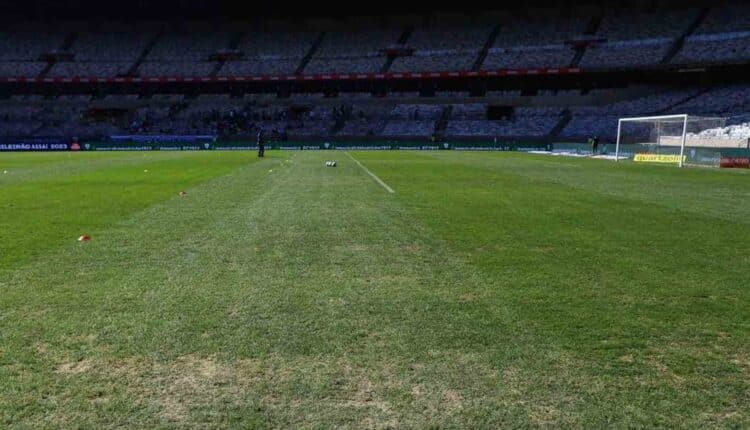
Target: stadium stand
(408,128)
(443,47)
(618,25)
(352,51)
(30,69)
(28,41)
(626,53)
(109,49)
(529,57)
(588,38)
(269,53)
(727,100)
(225,115)
(528,122)
(724,35)
(602,120)
(542,38)
(715,47)
(538,40)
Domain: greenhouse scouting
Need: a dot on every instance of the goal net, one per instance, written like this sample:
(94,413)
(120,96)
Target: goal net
(678,139)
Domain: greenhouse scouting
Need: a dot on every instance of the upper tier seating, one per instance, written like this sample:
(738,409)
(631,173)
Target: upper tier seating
(443,48)
(625,25)
(626,53)
(715,48)
(510,58)
(540,38)
(27,41)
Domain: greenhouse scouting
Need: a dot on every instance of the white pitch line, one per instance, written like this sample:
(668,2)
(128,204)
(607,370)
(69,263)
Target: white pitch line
(374,176)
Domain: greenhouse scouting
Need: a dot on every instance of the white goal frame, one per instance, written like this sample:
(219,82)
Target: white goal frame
(683,117)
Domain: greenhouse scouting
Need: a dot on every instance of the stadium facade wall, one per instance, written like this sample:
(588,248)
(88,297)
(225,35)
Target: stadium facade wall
(248,145)
(718,157)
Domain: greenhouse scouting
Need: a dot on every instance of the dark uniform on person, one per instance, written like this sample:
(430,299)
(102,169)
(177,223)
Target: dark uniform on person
(595,145)
(261,143)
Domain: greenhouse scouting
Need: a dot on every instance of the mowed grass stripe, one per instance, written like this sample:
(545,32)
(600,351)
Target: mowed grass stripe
(703,192)
(30,167)
(298,297)
(557,231)
(113,297)
(634,290)
(43,211)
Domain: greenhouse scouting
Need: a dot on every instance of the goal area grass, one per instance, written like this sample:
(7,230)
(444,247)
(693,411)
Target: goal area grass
(488,290)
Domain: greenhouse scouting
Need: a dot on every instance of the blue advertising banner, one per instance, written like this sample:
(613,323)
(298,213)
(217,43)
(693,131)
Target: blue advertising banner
(163,138)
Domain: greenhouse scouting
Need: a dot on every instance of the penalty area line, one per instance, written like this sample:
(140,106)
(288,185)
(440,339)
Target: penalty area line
(374,176)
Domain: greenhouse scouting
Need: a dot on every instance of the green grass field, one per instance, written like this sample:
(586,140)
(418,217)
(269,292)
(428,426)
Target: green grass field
(490,290)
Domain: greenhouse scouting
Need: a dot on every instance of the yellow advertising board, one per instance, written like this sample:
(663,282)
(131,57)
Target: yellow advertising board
(658,158)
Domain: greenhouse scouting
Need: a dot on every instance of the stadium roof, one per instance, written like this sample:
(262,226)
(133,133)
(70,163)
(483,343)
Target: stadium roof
(176,9)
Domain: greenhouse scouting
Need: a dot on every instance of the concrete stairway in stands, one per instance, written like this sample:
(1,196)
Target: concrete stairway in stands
(558,128)
(591,28)
(487,45)
(680,41)
(405,35)
(669,108)
(132,71)
(313,49)
(64,46)
(233,44)
(442,123)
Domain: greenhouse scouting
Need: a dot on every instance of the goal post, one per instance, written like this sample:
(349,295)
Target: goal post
(677,139)
(645,133)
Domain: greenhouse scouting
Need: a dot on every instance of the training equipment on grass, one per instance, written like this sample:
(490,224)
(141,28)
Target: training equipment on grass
(679,139)
(330,164)
(183,194)
(84,238)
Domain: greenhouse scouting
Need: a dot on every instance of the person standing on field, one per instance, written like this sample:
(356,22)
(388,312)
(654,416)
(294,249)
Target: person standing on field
(594,145)
(261,143)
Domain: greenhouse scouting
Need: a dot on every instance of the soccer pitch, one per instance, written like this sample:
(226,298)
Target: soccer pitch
(488,290)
